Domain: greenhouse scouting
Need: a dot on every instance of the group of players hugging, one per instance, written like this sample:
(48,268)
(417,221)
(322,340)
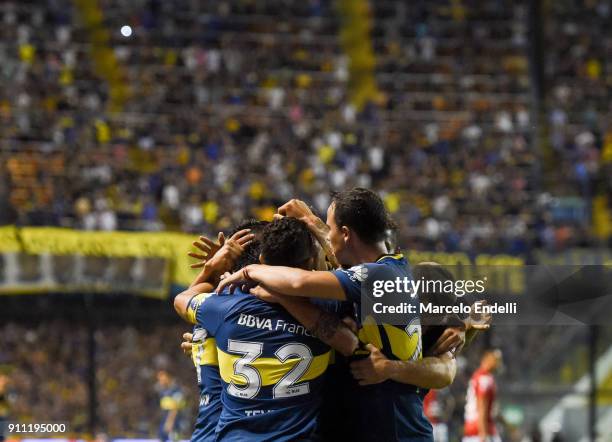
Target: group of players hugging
(281,350)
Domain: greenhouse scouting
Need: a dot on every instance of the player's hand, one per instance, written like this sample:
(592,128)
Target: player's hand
(266,295)
(299,209)
(478,321)
(452,339)
(351,324)
(232,249)
(234,280)
(186,344)
(226,257)
(228,250)
(208,248)
(371,370)
(296,209)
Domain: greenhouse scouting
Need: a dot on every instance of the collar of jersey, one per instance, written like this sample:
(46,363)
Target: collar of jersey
(396,256)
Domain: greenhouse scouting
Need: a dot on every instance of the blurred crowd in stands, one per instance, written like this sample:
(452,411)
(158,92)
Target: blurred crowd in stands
(50,382)
(217,110)
(47,366)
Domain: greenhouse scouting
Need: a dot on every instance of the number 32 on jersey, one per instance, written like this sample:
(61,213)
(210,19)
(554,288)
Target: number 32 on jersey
(246,371)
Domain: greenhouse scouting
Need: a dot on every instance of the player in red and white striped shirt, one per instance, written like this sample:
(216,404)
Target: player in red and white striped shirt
(480,406)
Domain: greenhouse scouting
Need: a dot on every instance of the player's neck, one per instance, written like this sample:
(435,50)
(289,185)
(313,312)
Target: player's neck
(363,253)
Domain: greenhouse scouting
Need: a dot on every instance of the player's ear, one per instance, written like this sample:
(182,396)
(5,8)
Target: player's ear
(261,259)
(346,233)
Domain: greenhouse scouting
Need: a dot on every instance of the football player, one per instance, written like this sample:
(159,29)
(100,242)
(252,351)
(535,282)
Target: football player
(356,230)
(272,366)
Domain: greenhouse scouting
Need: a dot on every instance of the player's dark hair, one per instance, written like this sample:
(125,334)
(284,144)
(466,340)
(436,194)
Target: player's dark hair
(248,223)
(253,249)
(434,272)
(431,271)
(287,242)
(364,212)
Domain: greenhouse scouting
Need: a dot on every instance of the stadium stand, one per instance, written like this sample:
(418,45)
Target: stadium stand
(448,138)
(47,361)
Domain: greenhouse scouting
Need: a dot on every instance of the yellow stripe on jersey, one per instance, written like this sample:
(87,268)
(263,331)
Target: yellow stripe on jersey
(169,403)
(205,353)
(271,370)
(194,305)
(403,346)
(369,333)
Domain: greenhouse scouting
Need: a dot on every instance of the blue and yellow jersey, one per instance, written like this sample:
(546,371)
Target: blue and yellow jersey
(272,369)
(204,357)
(397,341)
(171,399)
(389,410)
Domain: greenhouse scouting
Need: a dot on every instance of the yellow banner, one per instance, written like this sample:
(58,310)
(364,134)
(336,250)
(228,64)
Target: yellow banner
(8,240)
(174,247)
(59,241)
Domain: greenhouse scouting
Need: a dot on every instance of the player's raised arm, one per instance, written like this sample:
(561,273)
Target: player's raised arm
(221,256)
(219,261)
(288,281)
(186,302)
(429,372)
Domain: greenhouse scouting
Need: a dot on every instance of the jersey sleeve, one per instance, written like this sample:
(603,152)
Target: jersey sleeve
(211,310)
(351,280)
(194,305)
